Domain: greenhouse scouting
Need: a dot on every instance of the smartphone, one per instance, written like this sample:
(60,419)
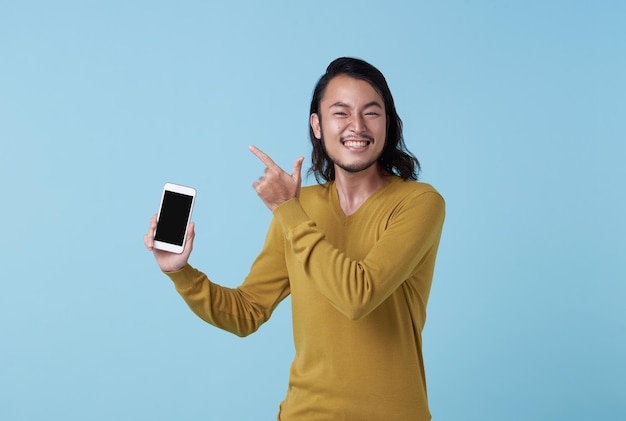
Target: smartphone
(173,217)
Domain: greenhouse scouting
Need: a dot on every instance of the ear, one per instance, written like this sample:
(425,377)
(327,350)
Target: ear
(315,125)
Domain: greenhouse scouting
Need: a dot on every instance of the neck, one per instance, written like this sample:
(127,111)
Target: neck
(354,188)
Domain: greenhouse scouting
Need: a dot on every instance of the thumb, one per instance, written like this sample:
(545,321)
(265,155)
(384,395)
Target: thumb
(296,174)
(191,234)
(297,167)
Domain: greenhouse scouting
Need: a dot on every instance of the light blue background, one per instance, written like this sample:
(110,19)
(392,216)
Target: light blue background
(515,109)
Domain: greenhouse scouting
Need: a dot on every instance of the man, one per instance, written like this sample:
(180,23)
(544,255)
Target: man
(356,252)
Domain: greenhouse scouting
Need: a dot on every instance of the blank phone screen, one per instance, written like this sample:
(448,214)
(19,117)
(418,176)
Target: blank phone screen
(173,218)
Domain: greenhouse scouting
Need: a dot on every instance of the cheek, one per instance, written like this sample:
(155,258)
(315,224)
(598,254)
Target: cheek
(333,128)
(382,130)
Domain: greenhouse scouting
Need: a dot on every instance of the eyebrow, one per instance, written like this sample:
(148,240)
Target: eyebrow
(369,104)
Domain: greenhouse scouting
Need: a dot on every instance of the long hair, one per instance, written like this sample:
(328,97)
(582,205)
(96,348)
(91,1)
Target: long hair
(395,157)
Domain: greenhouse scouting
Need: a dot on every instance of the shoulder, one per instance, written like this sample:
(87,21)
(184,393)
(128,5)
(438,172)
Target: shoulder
(416,198)
(415,202)
(410,188)
(315,188)
(315,192)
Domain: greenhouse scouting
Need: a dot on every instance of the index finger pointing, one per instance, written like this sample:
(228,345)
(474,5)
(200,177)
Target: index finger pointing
(263,157)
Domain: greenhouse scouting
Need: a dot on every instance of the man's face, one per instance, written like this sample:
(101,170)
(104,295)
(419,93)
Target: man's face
(352,123)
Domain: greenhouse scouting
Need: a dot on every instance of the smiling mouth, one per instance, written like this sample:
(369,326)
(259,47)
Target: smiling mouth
(360,142)
(356,143)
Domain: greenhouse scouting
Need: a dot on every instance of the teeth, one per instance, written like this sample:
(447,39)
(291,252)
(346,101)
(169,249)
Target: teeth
(355,143)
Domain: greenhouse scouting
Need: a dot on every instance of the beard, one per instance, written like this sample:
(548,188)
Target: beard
(354,167)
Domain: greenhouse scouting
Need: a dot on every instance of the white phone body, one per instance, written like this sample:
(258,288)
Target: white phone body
(173,217)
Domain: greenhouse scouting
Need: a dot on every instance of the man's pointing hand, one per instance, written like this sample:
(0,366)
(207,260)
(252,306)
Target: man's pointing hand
(276,186)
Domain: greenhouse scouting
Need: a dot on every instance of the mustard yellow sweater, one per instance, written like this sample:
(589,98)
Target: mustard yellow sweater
(359,286)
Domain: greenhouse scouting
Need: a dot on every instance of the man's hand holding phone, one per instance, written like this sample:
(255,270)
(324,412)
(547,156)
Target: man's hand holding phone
(171,232)
(168,261)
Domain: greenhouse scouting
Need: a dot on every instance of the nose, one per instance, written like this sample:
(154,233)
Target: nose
(357,124)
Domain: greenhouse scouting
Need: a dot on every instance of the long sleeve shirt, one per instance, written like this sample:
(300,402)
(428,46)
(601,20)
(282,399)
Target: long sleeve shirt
(359,286)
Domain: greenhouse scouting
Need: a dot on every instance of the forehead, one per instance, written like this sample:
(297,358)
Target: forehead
(349,90)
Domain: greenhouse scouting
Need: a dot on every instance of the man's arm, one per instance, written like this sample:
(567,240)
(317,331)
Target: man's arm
(244,309)
(238,310)
(356,287)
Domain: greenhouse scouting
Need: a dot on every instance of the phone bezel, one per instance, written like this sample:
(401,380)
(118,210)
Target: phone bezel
(176,188)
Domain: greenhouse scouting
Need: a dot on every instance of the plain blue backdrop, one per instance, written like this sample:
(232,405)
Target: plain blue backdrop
(516,110)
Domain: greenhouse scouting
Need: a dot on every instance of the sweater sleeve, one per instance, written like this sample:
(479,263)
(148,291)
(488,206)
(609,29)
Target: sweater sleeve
(244,309)
(357,287)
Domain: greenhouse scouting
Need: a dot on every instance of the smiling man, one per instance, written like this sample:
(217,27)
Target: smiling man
(355,251)
(355,123)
